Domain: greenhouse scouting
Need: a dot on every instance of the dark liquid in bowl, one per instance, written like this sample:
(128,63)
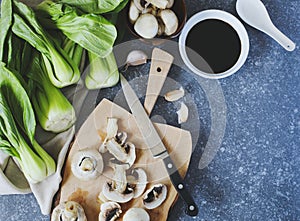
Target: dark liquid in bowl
(216,42)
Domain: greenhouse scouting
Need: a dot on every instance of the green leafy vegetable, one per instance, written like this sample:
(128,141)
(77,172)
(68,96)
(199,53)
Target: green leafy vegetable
(95,33)
(65,72)
(17,130)
(94,6)
(103,72)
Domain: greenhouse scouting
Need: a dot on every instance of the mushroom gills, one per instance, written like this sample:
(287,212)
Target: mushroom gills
(155,196)
(68,211)
(111,194)
(109,211)
(87,164)
(136,214)
(162,4)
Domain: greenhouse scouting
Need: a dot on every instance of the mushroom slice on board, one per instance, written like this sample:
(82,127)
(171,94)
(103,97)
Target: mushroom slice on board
(109,211)
(146,26)
(112,194)
(87,164)
(136,214)
(138,181)
(124,153)
(170,21)
(68,211)
(111,132)
(155,196)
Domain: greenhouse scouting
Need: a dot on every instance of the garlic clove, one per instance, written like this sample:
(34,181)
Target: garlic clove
(136,57)
(174,95)
(182,113)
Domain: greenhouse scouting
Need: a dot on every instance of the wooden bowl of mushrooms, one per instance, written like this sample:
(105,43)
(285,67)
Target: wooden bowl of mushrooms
(164,19)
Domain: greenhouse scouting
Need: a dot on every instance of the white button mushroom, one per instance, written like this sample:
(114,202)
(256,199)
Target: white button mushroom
(133,12)
(87,164)
(68,211)
(170,21)
(109,211)
(155,196)
(146,26)
(136,214)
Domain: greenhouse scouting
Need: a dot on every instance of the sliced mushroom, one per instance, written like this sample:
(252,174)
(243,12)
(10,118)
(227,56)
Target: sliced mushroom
(162,4)
(170,21)
(68,211)
(87,164)
(136,214)
(161,27)
(124,153)
(155,196)
(111,132)
(146,26)
(183,113)
(140,4)
(111,194)
(102,198)
(121,138)
(110,211)
(170,4)
(133,12)
(138,181)
(174,95)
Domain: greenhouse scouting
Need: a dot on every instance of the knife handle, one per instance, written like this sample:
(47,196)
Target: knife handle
(177,181)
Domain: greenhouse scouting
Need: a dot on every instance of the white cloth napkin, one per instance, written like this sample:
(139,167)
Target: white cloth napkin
(12,180)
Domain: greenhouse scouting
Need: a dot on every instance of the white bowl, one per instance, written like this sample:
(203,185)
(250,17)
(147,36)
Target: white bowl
(225,17)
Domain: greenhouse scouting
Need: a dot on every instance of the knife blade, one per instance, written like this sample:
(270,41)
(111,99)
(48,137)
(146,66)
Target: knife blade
(156,145)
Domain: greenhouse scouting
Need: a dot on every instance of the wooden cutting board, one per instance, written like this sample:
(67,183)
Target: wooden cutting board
(90,135)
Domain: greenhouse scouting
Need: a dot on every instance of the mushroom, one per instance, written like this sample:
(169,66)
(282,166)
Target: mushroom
(138,181)
(133,12)
(141,4)
(170,21)
(68,211)
(174,95)
(109,211)
(136,214)
(87,164)
(146,26)
(102,198)
(162,4)
(111,132)
(155,196)
(111,194)
(183,113)
(170,4)
(124,153)
(118,190)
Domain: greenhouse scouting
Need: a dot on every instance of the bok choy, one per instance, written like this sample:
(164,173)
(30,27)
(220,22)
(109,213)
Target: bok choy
(25,25)
(17,129)
(102,72)
(92,32)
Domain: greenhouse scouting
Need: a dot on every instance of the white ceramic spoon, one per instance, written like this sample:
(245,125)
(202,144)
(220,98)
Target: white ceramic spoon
(254,13)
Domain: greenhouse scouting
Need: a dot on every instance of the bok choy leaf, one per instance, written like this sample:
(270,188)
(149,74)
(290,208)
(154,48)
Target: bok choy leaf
(94,32)
(17,129)
(65,72)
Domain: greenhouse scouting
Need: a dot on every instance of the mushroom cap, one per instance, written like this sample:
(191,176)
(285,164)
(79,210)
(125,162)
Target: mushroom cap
(136,214)
(68,211)
(146,26)
(87,164)
(170,21)
(155,196)
(133,12)
(113,195)
(110,211)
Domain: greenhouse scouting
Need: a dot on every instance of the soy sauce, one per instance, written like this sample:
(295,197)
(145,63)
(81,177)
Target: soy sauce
(216,42)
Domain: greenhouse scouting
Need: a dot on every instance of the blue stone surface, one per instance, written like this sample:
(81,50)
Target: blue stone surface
(256,172)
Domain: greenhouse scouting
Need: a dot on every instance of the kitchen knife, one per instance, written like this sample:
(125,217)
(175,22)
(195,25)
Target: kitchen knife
(156,145)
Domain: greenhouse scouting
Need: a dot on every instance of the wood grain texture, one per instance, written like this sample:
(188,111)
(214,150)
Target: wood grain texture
(177,141)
